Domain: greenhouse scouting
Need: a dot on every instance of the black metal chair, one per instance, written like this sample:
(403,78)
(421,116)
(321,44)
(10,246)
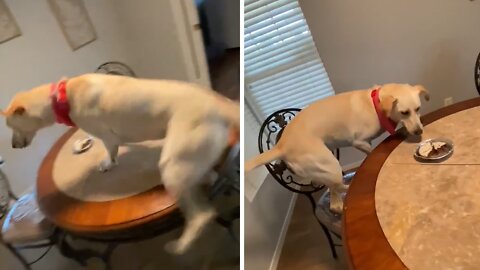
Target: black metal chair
(24,227)
(477,74)
(270,133)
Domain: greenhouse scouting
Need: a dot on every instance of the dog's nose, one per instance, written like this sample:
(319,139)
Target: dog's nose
(418,131)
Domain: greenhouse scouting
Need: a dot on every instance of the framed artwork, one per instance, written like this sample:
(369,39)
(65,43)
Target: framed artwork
(8,27)
(74,22)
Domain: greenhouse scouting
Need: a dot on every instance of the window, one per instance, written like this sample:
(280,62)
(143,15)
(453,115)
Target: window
(282,69)
(282,65)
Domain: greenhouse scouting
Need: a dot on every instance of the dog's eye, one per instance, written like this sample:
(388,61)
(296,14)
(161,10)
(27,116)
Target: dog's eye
(406,113)
(417,109)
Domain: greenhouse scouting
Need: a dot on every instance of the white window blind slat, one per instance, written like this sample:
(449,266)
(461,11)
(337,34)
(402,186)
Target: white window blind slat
(253,45)
(292,94)
(281,60)
(260,7)
(289,77)
(291,84)
(282,65)
(284,30)
(287,50)
(279,77)
(266,20)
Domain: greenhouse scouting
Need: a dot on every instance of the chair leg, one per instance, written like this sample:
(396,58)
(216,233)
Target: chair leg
(22,260)
(324,228)
(330,241)
(107,256)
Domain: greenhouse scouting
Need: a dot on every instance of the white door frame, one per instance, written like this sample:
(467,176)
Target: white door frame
(190,37)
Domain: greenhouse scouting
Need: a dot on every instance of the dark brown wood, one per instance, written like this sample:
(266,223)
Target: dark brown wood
(83,217)
(364,241)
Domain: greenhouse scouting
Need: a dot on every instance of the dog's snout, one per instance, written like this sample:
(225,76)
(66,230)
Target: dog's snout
(418,131)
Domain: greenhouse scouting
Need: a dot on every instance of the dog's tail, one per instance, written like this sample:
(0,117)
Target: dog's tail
(263,158)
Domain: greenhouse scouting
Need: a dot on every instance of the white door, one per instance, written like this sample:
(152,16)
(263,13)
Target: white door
(164,39)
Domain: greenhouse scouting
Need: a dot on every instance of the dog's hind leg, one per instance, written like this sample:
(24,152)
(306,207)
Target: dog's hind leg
(190,151)
(322,167)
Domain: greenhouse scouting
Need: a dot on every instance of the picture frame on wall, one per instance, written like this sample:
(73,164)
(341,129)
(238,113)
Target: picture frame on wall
(8,26)
(74,21)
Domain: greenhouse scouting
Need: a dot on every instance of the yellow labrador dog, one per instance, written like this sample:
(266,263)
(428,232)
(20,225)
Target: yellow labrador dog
(349,119)
(194,121)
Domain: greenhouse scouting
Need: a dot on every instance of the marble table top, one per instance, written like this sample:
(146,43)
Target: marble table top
(78,176)
(430,213)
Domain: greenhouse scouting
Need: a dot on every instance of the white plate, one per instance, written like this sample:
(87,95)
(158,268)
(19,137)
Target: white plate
(439,157)
(80,146)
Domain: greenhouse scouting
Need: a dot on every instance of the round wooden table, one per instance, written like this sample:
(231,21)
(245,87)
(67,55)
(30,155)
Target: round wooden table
(100,218)
(394,233)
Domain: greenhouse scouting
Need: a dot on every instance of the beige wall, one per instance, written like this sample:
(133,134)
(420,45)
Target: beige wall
(42,55)
(429,42)
(263,222)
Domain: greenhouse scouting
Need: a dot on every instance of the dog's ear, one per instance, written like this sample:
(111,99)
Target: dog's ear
(14,110)
(388,103)
(19,110)
(423,92)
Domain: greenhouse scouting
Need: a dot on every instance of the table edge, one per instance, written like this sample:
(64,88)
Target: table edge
(47,192)
(364,241)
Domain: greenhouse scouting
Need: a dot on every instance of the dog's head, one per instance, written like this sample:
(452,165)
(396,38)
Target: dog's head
(24,120)
(401,103)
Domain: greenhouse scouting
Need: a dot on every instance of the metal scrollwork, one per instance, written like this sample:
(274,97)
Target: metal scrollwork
(477,74)
(270,133)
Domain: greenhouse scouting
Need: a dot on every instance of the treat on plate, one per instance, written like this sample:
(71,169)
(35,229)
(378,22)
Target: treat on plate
(432,149)
(425,149)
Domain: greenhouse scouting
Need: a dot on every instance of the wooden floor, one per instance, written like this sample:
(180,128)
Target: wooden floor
(305,245)
(225,73)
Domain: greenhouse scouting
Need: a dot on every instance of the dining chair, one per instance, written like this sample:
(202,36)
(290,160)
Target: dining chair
(477,74)
(270,133)
(24,226)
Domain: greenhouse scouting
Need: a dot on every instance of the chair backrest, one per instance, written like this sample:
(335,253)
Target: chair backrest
(6,194)
(477,74)
(115,68)
(270,133)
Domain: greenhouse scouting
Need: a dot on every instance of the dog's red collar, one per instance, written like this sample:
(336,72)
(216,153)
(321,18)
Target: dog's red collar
(388,124)
(60,105)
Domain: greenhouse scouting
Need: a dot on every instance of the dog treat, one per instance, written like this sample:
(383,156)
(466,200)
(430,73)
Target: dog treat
(425,150)
(432,149)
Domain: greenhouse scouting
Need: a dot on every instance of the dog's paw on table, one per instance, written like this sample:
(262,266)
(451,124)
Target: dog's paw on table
(106,165)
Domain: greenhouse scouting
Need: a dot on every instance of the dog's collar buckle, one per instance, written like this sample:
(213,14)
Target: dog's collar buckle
(388,124)
(60,105)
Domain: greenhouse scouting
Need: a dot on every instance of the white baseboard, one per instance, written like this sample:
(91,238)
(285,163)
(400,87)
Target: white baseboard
(283,233)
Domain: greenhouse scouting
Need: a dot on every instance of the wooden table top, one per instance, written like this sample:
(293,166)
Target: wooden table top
(97,217)
(364,240)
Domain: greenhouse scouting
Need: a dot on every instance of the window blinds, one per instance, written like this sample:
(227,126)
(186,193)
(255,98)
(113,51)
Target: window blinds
(282,65)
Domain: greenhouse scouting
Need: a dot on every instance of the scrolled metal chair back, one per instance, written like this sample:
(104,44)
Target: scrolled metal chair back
(477,74)
(270,133)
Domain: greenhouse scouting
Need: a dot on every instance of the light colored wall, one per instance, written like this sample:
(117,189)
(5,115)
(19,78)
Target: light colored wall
(263,222)
(42,55)
(142,21)
(429,42)
(161,39)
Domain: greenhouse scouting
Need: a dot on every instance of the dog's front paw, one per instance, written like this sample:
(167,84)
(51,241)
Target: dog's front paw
(106,165)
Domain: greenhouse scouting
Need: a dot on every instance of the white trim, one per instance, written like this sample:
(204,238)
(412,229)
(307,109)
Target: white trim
(283,233)
(190,41)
